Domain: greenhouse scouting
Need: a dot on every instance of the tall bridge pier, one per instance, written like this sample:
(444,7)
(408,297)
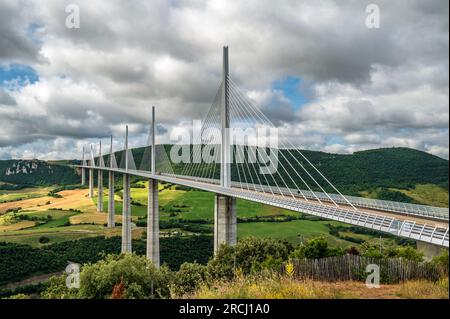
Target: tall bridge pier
(100,191)
(225,207)
(83,171)
(83,177)
(91,183)
(111,204)
(126,206)
(153,223)
(100,182)
(225,221)
(153,208)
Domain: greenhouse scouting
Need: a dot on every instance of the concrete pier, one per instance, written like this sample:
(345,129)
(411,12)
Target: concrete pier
(111,207)
(429,250)
(126,215)
(225,223)
(100,191)
(153,223)
(83,176)
(91,182)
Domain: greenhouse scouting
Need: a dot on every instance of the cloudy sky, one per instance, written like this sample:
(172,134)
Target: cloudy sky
(315,68)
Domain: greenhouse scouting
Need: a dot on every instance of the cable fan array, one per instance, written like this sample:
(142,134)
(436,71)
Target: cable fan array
(295,175)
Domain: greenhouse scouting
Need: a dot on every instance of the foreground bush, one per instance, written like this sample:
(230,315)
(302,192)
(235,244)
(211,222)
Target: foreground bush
(442,259)
(250,255)
(128,276)
(316,248)
(406,252)
(188,279)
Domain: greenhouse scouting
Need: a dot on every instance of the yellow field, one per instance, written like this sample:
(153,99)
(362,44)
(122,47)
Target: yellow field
(60,234)
(96,218)
(72,199)
(17,226)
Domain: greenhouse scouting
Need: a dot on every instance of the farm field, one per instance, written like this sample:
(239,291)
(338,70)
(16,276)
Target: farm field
(74,216)
(70,199)
(26,193)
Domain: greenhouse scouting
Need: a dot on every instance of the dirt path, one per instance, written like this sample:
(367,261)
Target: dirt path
(32,280)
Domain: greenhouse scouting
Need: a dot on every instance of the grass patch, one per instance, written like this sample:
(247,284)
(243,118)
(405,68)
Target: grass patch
(423,194)
(26,193)
(295,231)
(424,290)
(59,218)
(276,287)
(427,194)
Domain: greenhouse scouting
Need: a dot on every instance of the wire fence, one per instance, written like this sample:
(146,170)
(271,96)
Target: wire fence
(353,268)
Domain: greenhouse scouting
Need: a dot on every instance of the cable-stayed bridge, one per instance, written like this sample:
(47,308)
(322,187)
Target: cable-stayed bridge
(238,153)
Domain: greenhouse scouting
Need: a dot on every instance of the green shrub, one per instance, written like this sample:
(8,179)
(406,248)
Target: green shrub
(44,240)
(250,255)
(188,279)
(314,249)
(97,281)
(442,259)
(407,252)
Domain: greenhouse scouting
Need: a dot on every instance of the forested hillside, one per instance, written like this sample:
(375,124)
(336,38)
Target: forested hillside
(387,173)
(380,173)
(15,174)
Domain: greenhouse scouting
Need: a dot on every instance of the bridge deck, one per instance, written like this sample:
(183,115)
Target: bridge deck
(411,225)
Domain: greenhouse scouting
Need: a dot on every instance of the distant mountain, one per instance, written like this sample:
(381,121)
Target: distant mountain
(371,173)
(18,173)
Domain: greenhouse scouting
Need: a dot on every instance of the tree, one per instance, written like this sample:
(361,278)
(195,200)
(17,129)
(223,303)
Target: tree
(188,279)
(250,255)
(407,252)
(314,249)
(442,259)
(126,276)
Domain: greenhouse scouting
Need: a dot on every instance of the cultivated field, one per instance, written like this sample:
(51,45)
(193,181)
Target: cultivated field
(75,215)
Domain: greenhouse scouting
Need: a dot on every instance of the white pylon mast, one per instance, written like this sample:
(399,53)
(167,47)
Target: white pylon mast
(153,143)
(111,153)
(225,171)
(100,160)
(126,148)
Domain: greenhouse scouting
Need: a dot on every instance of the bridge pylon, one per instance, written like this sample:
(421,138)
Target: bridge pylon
(152,207)
(111,204)
(83,171)
(91,175)
(225,171)
(224,206)
(100,181)
(126,206)
(225,221)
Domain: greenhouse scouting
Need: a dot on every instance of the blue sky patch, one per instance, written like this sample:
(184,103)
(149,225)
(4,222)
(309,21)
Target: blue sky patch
(23,74)
(290,86)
